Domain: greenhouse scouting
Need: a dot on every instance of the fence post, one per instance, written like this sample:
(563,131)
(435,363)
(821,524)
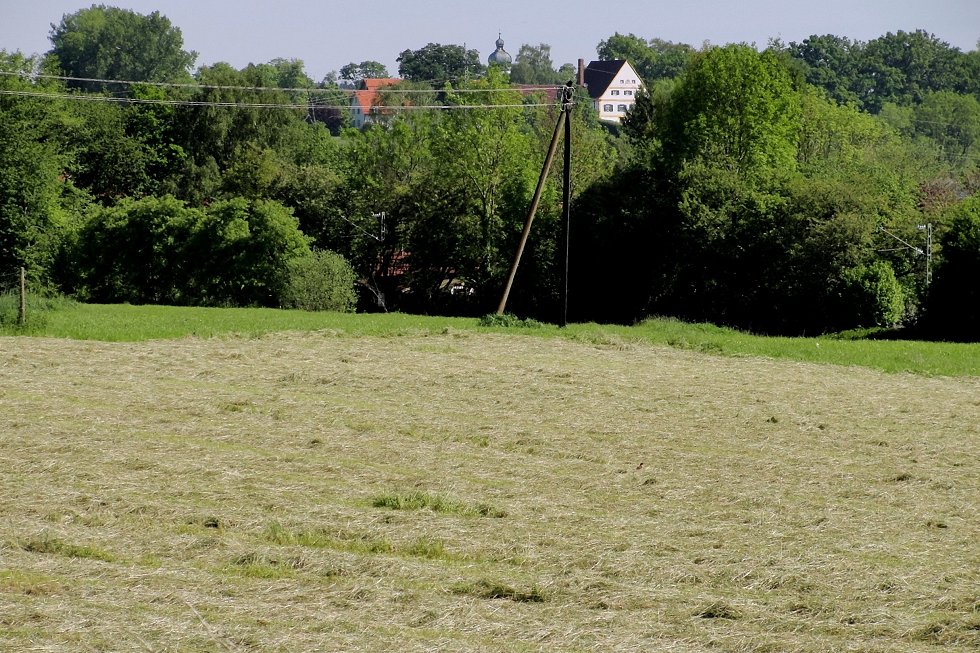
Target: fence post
(22,308)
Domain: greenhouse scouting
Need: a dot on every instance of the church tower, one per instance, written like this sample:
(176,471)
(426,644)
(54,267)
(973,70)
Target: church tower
(500,58)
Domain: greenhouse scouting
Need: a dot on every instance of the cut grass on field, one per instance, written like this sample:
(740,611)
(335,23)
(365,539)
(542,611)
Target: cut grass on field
(474,491)
(126,323)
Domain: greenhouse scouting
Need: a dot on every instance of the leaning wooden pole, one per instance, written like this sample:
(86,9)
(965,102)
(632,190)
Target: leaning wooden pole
(534,208)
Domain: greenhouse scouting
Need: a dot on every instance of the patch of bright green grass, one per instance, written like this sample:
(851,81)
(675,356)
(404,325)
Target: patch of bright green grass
(53,545)
(351,542)
(487,589)
(894,356)
(128,323)
(341,540)
(125,322)
(38,309)
(424,501)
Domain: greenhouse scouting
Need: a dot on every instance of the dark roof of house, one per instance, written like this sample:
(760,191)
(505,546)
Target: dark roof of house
(600,74)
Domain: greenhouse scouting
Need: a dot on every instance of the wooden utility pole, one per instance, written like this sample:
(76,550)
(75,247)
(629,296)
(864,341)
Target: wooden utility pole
(563,119)
(566,205)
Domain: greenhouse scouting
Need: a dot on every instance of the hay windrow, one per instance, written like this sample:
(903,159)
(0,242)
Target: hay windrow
(492,492)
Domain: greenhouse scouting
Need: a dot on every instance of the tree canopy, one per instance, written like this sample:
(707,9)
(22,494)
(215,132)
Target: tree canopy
(437,64)
(780,191)
(652,59)
(732,108)
(104,42)
(355,72)
(533,65)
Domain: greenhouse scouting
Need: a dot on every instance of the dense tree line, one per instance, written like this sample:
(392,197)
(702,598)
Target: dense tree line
(779,191)
(795,186)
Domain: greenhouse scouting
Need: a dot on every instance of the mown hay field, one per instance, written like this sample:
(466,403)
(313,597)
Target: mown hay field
(477,492)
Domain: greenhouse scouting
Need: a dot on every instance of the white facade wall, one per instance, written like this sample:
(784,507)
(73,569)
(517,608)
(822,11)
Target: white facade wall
(619,96)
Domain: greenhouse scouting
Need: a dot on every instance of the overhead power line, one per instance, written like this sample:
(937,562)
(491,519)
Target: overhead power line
(276,89)
(80,97)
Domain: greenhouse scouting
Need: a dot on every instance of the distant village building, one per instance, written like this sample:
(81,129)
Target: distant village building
(364,101)
(500,58)
(613,86)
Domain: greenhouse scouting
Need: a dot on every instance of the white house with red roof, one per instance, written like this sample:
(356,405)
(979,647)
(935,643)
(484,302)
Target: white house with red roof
(613,86)
(364,101)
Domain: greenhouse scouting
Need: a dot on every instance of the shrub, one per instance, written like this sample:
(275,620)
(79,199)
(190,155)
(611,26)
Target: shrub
(872,296)
(160,251)
(508,321)
(134,252)
(322,281)
(242,250)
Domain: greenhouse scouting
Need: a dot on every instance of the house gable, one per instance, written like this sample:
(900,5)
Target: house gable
(613,86)
(365,98)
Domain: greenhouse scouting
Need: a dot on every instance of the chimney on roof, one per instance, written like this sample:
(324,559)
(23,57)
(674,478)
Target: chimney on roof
(581,73)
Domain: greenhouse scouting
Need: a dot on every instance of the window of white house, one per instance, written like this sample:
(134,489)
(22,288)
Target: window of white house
(627,92)
(621,108)
(607,107)
(613,92)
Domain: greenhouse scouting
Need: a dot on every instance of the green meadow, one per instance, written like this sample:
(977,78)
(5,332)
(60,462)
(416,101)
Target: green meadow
(123,322)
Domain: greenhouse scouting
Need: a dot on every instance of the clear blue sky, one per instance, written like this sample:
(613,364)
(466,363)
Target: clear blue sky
(328,34)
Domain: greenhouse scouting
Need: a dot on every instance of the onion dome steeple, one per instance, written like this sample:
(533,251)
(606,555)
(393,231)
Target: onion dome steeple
(500,57)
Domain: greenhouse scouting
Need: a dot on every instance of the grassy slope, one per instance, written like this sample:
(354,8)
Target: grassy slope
(135,323)
(476,491)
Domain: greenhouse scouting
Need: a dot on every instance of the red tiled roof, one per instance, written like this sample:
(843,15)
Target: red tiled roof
(367,95)
(550,92)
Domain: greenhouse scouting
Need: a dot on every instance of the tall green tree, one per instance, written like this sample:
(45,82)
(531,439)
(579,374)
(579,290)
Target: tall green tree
(734,108)
(104,42)
(952,121)
(654,59)
(904,66)
(33,189)
(355,72)
(438,64)
(217,135)
(533,65)
(389,174)
(831,63)
(486,170)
